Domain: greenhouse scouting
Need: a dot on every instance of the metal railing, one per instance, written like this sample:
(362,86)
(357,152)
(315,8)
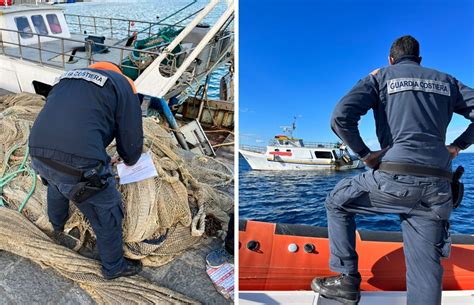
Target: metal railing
(304,144)
(109,27)
(10,48)
(254,148)
(124,28)
(322,145)
(44,55)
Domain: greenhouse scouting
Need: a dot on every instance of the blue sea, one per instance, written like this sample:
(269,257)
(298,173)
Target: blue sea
(147,10)
(297,197)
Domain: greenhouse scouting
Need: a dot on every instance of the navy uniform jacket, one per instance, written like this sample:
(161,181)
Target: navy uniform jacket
(412,107)
(83,113)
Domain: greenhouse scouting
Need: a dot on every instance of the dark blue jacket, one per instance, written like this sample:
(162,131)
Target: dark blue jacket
(412,107)
(83,113)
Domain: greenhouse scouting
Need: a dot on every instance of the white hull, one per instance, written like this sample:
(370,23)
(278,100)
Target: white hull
(367,298)
(259,161)
(17,75)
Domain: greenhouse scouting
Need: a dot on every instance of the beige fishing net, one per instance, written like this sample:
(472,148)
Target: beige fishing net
(174,205)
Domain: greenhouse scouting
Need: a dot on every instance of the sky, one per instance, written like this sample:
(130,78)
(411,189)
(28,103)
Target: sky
(299,57)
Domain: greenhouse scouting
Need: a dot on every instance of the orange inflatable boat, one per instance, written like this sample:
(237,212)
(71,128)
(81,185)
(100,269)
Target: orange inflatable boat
(287,257)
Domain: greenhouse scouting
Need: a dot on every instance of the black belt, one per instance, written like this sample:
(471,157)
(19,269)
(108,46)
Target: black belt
(61,167)
(415,170)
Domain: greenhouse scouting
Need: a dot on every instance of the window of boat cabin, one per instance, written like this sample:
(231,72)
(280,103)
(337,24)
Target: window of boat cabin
(54,24)
(23,27)
(323,154)
(39,24)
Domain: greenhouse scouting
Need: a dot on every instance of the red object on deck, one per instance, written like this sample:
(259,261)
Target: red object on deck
(271,266)
(9,2)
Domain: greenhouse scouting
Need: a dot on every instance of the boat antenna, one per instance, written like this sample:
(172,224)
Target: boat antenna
(290,129)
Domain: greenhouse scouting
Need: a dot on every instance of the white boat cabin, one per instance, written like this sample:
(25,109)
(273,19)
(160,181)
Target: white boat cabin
(288,149)
(19,24)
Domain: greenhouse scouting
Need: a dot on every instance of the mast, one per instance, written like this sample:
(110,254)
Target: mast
(290,129)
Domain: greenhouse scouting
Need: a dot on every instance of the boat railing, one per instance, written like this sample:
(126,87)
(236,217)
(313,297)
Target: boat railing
(124,28)
(254,148)
(218,50)
(322,145)
(60,57)
(117,28)
(17,50)
(306,144)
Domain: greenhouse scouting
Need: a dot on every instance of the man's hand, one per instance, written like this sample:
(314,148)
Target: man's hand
(374,159)
(115,160)
(453,150)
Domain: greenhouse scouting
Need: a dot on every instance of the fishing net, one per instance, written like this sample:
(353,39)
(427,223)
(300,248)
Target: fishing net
(164,216)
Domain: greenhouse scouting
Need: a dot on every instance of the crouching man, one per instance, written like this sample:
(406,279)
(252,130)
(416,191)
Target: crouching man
(83,113)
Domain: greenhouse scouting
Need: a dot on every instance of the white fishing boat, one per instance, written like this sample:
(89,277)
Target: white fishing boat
(288,153)
(166,60)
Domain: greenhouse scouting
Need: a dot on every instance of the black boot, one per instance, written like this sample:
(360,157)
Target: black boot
(342,288)
(64,239)
(133,267)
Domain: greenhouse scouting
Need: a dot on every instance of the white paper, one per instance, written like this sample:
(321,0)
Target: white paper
(143,169)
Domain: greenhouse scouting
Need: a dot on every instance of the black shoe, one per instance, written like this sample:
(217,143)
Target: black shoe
(64,239)
(90,253)
(342,288)
(133,267)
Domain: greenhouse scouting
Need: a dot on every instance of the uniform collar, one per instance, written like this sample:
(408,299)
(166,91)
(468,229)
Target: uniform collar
(409,59)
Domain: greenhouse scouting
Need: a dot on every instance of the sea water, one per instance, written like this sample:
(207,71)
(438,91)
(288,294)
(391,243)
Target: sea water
(297,197)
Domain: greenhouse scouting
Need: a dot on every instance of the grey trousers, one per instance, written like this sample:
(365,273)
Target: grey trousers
(424,205)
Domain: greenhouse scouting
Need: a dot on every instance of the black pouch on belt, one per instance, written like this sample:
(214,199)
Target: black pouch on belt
(91,184)
(84,190)
(457,188)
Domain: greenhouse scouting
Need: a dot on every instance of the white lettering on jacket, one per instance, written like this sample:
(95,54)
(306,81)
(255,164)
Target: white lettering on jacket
(418,84)
(89,76)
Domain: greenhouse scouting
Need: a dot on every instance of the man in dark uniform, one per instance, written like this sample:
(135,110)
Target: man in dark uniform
(410,176)
(83,113)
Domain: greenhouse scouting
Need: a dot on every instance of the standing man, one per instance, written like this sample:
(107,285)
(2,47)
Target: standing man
(83,113)
(410,176)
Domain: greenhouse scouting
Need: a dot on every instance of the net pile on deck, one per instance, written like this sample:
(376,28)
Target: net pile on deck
(172,206)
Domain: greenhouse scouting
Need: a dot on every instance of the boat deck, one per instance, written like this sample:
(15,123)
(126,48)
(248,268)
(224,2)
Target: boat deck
(58,53)
(368,298)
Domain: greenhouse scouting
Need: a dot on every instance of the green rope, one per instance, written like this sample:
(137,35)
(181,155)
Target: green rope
(22,168)
(33,187)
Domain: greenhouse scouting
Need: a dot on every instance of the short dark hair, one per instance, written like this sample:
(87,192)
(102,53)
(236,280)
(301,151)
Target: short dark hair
(404,46)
